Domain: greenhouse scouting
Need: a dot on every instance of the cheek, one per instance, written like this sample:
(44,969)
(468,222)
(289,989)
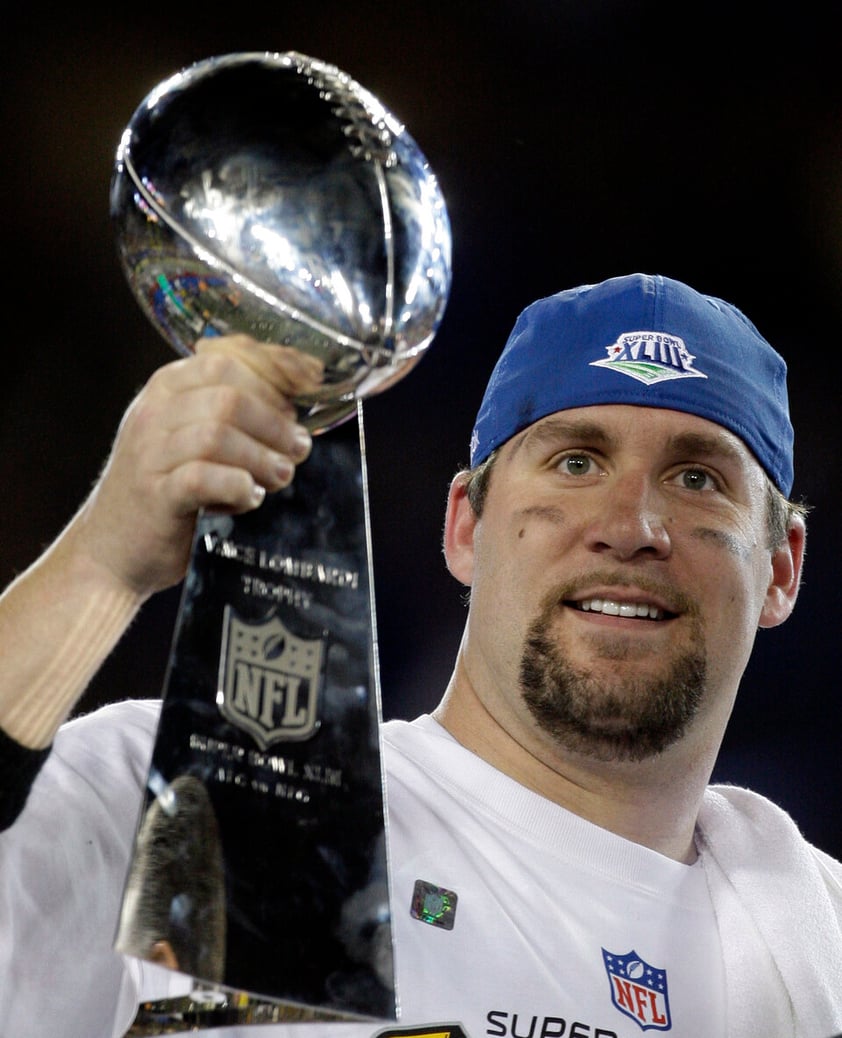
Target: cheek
(493,575)
(505,577)
(731,600)
(509,592)
(517,556)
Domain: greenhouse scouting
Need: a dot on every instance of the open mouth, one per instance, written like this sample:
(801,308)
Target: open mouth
(632,610)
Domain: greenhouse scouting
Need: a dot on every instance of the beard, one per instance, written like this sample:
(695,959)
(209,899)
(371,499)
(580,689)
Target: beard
(614,718)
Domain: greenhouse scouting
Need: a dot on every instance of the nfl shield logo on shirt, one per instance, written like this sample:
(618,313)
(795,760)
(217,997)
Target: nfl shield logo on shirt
(638,990)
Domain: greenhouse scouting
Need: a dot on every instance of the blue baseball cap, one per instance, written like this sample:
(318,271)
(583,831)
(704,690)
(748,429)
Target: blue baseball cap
(647,340)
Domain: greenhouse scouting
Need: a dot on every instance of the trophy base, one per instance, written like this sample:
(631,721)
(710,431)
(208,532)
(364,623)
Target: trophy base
(204,1008)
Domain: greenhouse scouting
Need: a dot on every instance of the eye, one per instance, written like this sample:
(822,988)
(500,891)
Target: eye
(697,479)
(578,465)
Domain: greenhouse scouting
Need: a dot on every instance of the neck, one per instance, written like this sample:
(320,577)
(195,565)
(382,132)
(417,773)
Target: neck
(654,803)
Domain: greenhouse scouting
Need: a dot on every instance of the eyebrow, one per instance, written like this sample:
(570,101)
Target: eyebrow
(689,444)
(551,430)
(701,445)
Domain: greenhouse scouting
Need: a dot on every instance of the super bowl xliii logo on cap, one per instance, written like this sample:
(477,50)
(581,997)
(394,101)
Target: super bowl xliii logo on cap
(650,357)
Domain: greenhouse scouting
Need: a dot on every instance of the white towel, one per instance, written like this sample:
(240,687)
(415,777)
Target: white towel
(778,902)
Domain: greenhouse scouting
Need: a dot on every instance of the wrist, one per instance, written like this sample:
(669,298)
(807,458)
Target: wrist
(128,554)
(75,651)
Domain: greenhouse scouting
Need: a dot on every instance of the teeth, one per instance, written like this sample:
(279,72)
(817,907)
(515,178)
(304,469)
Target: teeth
(609,608)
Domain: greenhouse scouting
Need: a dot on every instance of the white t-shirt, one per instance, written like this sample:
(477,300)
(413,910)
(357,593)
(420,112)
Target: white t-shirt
(558,925)
(512,917)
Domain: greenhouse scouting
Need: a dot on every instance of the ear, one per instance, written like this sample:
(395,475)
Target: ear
(162,953)
(787,563)
(459,525)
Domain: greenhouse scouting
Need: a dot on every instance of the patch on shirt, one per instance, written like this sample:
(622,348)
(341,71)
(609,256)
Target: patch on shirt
(638,990)
(427,1031)
(433,905)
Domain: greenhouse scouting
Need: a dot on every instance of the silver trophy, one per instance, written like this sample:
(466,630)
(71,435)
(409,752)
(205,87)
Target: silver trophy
(271,194)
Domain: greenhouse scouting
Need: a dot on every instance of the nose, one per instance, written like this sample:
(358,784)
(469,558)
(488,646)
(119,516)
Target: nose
(628,521)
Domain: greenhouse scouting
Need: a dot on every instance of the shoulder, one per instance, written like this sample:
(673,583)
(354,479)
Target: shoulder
(425,768)
(62,870)
(104,753)
(132,716)
(725,807)
(84,803)
(738,824)
(420,753)
(403,736)
(130,724)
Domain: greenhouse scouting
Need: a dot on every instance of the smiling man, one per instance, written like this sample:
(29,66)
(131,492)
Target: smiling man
(560,866)
(632,534)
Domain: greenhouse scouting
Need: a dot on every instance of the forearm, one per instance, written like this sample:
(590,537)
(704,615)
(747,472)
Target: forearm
(215,430)
(59,620)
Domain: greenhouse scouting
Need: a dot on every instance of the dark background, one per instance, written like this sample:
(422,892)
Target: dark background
(574,141)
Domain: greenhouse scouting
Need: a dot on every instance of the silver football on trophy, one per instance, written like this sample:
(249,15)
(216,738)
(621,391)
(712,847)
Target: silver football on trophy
(271,194)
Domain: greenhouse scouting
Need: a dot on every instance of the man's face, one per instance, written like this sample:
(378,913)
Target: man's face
(619,572)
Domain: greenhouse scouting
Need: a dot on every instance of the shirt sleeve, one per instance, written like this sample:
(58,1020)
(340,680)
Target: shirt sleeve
(63,865)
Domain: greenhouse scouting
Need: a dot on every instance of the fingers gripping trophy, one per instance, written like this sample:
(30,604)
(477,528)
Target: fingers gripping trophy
(271,194)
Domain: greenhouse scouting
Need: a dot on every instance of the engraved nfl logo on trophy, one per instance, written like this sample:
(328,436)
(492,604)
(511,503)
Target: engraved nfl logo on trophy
(271,194)
(269,680)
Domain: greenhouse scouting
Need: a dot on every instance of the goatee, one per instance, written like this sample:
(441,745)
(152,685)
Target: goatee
(617,718)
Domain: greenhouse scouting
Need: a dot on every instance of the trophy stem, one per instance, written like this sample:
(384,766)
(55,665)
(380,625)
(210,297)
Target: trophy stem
(260,861)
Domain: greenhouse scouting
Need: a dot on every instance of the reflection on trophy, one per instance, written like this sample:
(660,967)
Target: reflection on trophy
(271,194)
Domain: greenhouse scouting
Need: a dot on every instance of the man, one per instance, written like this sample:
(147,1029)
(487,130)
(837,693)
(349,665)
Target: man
(559,865)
